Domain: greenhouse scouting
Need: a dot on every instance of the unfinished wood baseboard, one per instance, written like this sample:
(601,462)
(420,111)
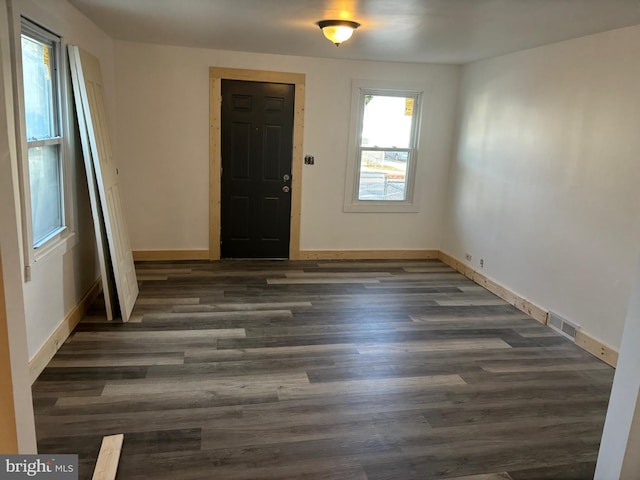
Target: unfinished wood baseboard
(169,255)
(368,254)
(457,265)
(595,347)
(585,341)
(108,458)
(42,358)
(504,293)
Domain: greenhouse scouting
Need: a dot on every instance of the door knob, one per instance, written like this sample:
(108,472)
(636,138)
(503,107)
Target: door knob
(285,189)
(286,177)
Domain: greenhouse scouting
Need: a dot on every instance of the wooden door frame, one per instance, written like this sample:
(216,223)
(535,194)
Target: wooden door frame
(216,75)
(9,433)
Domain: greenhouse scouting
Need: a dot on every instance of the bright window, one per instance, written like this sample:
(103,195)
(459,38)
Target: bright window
(384,158)
(44,140)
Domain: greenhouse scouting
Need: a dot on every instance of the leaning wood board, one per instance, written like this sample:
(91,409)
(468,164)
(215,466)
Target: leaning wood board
(91,94)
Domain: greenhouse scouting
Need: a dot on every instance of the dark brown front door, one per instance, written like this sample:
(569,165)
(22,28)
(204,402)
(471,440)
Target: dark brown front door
(257,147)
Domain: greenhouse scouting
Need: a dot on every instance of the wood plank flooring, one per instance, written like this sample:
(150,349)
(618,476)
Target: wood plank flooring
(366,370)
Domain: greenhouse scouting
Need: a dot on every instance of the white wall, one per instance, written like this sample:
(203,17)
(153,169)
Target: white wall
(163,145)
(61,278)
(544,185)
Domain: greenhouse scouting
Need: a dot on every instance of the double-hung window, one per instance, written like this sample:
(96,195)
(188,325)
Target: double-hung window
(44,183)
(384,153)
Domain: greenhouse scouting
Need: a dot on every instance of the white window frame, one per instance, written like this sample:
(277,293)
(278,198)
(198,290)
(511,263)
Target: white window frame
(352,203)
(63,238)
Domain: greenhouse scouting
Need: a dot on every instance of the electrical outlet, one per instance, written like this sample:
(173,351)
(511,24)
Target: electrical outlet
(482,263)
(309,160)
(467,257)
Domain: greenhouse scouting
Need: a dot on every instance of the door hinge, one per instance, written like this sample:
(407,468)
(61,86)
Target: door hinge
(27,273)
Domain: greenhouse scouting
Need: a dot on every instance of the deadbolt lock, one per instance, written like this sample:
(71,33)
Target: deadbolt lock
(286,189)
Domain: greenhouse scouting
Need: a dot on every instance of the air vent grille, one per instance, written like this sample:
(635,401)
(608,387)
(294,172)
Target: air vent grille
(563,326)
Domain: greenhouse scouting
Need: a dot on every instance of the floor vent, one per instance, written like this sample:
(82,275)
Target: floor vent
(563,326)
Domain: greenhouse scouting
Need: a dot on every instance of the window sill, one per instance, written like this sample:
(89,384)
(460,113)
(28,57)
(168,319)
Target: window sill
(59,244)
(380,207)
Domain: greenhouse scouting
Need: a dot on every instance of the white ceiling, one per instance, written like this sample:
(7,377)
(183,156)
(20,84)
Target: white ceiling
(439,31)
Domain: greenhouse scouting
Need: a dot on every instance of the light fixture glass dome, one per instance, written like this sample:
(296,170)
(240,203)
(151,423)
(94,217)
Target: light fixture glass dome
(337,31)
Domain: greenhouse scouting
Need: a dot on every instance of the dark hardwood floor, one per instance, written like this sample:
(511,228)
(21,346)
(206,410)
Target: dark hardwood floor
(394,370)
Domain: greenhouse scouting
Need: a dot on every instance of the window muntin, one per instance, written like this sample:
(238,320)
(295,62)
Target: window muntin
(41,87)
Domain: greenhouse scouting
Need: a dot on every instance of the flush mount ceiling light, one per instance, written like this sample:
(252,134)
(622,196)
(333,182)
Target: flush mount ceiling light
(337,31)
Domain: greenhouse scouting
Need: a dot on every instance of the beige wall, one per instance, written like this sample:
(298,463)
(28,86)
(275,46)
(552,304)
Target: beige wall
(544,184)
(163,145)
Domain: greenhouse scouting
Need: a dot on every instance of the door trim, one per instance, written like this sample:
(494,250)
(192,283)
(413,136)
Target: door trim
(216,75)
(9,436)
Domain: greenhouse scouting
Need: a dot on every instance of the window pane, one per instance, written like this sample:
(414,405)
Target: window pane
(46,199)
(387,121)
(383,175)
(39,106)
